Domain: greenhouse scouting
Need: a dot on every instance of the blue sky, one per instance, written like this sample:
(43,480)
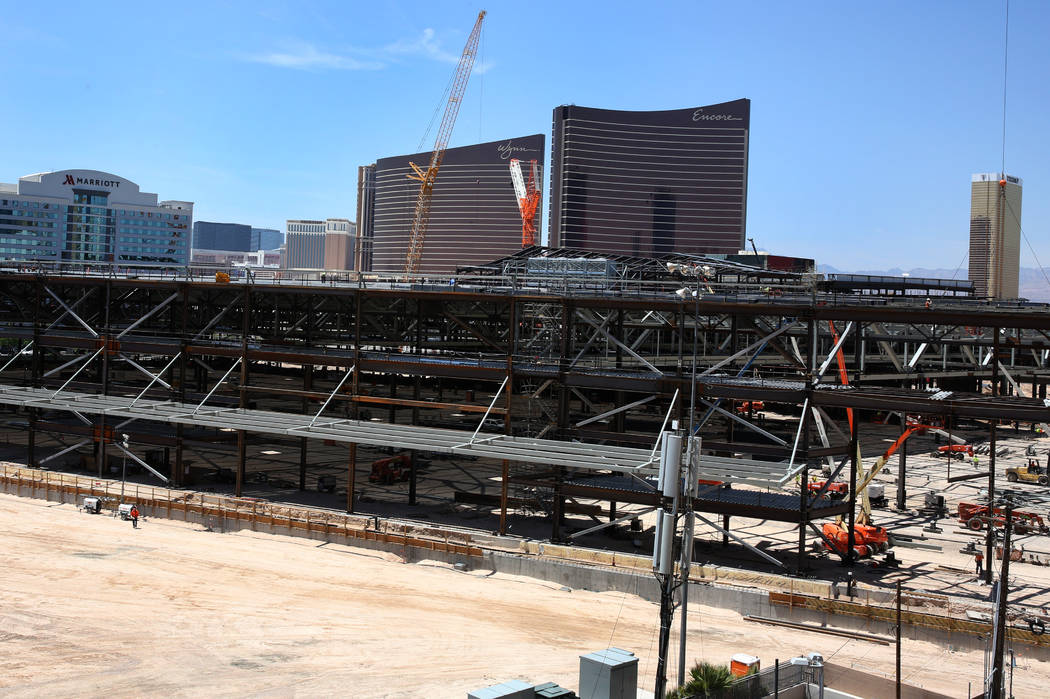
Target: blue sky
(867,118)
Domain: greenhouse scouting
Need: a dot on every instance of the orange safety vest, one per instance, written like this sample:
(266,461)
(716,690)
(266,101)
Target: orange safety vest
(134,512)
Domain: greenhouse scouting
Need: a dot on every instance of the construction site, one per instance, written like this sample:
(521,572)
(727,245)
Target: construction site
(847,433)
(684,456)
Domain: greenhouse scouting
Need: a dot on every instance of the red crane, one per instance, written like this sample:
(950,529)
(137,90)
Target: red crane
(528,198)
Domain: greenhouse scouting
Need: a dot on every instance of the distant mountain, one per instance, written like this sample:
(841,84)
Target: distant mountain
(1033,282)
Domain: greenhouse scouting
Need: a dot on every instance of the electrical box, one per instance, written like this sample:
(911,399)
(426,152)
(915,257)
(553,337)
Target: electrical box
(550,690)
(512,689)
(609,674)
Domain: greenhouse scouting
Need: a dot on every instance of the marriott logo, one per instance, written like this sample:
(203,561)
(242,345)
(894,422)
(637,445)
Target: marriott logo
(91,182)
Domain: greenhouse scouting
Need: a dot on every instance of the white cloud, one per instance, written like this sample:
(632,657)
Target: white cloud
(305,56)
(426,45)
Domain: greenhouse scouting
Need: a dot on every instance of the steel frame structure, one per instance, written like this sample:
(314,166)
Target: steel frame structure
(582,371)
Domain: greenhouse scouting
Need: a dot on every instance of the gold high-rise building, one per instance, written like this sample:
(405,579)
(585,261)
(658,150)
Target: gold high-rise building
(995,234)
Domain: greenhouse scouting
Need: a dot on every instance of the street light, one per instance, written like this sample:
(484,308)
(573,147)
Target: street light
(124,467)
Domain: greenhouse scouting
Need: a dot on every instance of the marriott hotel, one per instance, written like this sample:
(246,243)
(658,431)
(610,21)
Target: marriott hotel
(91,216)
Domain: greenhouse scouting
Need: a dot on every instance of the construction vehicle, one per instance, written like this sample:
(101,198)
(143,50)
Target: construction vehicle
(393,469)
(836,490)
(975,517)
(748,407)
(955,451)
(528,196)
(912,426)
(426,178)
(1031,472)
(868,539)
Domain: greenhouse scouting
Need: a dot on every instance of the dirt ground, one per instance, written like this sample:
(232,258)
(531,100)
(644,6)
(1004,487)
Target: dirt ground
(92,606)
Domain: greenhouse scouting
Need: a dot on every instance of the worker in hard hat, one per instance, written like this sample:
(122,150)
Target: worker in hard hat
(134,515)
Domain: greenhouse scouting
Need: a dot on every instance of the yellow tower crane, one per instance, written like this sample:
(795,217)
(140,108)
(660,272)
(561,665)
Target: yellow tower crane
(427,177)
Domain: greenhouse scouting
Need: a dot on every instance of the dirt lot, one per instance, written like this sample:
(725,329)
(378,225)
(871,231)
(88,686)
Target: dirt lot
(94,607)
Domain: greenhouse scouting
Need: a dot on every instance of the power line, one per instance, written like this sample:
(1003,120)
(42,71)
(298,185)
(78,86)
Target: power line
(1006,56)
(1027,242)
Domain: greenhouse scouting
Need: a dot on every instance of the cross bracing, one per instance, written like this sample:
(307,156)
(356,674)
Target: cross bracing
(599,366)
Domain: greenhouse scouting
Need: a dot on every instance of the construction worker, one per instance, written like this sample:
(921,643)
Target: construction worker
(928,303)
(978,558)
(134,515)
(976,461)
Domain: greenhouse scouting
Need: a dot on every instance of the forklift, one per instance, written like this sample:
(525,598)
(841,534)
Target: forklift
(1032,472)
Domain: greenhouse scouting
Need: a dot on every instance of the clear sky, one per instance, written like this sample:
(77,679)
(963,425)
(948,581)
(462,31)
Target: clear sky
(867,119)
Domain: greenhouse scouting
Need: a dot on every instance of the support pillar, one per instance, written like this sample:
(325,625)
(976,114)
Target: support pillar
(989,542)
(412,477)
(351,474)
(902,470)
(351,478)
(241,460)
(558,510)
(725,532)
(104,378)
(308,385)
(242,436)
(854,466)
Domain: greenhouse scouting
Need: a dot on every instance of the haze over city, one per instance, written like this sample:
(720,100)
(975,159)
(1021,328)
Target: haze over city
(867,120)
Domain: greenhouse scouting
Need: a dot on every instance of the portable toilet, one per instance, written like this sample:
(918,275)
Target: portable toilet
(743,664)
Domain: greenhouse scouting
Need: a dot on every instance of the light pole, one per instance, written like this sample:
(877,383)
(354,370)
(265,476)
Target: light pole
(690,486)
(124,467)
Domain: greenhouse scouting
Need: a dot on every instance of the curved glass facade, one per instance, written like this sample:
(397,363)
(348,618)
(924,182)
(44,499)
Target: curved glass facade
(649,183)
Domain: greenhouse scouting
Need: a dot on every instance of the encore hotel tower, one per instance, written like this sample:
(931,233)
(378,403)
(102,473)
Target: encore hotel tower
(649,183)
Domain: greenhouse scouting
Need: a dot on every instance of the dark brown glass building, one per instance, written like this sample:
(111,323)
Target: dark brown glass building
(649,183)
(474,215)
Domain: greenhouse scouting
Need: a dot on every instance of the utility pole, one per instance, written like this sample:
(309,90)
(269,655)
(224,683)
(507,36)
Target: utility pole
(994,682)
(689,491)
(663,566)
(692,456)
(898,639)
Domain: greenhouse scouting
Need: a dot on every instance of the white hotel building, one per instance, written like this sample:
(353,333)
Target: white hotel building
(91,216)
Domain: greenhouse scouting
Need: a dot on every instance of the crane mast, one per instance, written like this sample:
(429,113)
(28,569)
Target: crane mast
(426,178)
(528,199)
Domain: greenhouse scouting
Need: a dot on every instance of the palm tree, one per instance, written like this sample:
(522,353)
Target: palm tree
(705,680)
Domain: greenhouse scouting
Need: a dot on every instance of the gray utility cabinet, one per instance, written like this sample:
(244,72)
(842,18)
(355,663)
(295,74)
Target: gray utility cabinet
(609,674)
